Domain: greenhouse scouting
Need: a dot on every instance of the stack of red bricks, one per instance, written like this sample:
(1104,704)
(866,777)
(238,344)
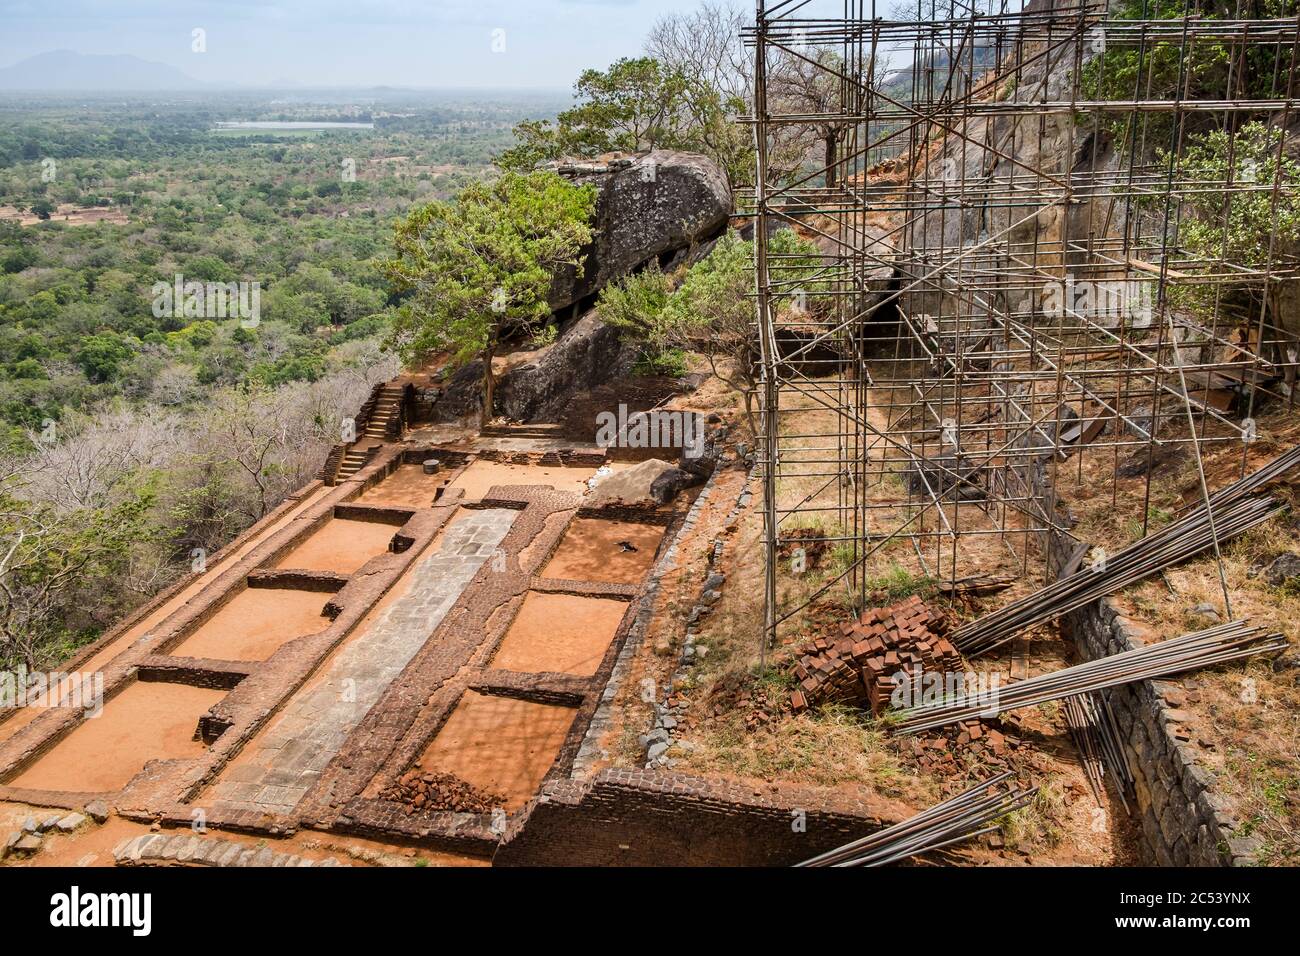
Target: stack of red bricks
(860,665)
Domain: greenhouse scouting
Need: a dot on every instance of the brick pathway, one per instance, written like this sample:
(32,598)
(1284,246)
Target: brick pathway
(311,729)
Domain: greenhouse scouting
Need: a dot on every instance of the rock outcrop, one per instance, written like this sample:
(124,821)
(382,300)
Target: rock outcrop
(652,481)
(649,206)
(587,353)
(1000,154)
(658,206)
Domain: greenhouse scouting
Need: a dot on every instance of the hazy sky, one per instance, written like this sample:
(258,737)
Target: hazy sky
(345,42)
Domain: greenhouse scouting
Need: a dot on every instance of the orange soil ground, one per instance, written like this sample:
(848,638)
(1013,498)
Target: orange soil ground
(340,546)
(483,474)
(399,590)
(408,487)
(560,633)
(590,551)
(253,625)
(146,721)
(499,744)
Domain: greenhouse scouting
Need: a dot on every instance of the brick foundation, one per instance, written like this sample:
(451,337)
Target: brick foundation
(645,818)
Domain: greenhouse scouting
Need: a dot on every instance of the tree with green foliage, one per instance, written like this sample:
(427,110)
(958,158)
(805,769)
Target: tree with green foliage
(1244,225)
(637,305)
(637,104)
(102,355)
(1252,223)
(711,312)
(44,557)
(481,265)
(1162,69)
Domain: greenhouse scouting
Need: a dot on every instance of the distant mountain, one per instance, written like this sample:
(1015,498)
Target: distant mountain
(67,70)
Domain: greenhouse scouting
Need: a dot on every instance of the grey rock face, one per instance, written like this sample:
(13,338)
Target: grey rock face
(587,354)
(647,206)
(1012,151)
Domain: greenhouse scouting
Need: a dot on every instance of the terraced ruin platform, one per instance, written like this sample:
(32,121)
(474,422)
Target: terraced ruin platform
(279,766)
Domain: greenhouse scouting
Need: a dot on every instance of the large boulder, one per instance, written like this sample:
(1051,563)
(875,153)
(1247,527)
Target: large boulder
(664,206)
(649,482)
(587,354)
(648,206)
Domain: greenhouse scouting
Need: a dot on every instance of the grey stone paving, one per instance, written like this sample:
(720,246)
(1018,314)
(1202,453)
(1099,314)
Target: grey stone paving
(300,743)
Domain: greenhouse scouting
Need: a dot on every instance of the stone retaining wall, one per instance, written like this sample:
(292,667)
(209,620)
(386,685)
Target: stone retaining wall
(1182,820)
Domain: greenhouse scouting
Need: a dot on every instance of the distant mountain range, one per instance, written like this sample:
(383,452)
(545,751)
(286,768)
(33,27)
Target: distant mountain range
(67,70)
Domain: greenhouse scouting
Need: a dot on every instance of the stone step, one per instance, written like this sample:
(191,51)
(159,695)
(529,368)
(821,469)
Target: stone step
(188,849)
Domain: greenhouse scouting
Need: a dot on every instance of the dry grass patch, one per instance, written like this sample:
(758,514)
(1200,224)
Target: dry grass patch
(832,746)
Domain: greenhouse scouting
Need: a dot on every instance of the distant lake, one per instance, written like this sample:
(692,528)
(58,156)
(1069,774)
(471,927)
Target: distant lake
(275,124)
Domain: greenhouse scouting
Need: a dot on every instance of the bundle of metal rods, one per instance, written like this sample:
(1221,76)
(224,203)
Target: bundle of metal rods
(1216,645)
(1145,557)
(958,818)
(1092,725)
(1235,509)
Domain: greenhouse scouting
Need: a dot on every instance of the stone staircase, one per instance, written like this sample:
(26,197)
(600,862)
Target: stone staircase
(354,459)
(384,420)
(379,420)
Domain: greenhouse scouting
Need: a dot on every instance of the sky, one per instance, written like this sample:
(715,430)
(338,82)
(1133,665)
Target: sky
(426,43)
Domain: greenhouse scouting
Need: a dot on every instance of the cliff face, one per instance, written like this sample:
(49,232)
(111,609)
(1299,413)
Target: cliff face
(1037,198)
(1007,188)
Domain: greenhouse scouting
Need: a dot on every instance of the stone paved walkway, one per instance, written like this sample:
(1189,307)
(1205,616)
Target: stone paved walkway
(290,756)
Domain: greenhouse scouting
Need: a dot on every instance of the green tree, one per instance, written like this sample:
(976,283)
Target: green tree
(1247,225)
(483,264)
(45,559)
(101,355)
(637,104)
(712,311)
(637,305)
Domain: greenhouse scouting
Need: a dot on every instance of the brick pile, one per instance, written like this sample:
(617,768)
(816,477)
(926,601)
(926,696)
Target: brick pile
(428,790)
(859,665)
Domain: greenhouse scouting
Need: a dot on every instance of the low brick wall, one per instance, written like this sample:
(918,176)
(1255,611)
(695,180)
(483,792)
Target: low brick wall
(1182,821)
(647,818)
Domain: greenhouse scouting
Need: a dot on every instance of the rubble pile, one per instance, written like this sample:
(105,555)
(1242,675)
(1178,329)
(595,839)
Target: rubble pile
(995,745)
(429,790)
